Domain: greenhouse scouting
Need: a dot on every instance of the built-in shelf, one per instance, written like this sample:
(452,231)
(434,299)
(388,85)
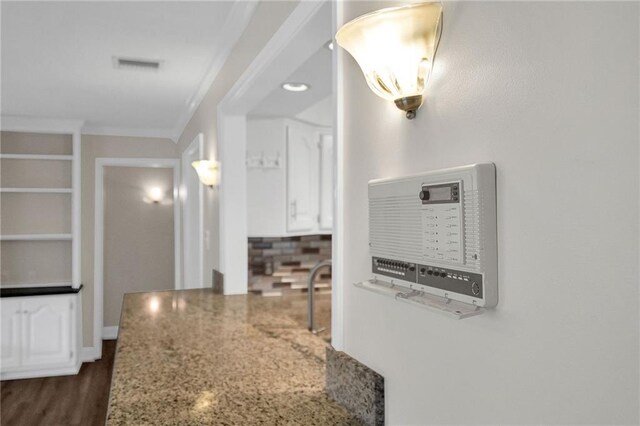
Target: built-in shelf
(39,290)
(35,237)
(36,157)
(36,284)
(38,190)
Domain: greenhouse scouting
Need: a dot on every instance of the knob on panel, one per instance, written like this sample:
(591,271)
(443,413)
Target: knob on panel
(424,195)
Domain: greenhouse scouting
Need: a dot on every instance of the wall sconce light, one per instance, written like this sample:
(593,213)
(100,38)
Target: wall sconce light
(156,195)
(207,172)
(395,49)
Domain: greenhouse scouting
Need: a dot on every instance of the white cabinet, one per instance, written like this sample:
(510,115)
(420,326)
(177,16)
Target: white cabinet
(290,170)
(10,337)
(302,177)
(40,336)
(46,330)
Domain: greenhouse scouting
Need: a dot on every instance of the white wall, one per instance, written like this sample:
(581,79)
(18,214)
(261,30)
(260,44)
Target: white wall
(139,246)
(266,187)
(266,19)
(106,146)
(549,93)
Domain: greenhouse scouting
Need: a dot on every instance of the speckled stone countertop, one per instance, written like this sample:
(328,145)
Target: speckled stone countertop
(192,357)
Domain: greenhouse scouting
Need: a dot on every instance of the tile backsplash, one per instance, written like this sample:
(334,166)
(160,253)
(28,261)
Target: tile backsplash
(268,254)
(277,260)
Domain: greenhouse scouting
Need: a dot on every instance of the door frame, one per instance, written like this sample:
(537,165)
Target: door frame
(195,147)
(231,132)
(98,248)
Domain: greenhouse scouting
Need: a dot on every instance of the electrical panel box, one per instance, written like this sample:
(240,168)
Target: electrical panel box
(435,234)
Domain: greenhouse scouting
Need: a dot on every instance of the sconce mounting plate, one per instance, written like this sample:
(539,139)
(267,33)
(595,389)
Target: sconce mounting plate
(410,104)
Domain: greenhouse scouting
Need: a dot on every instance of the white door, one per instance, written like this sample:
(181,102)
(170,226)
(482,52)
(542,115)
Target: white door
(192,234)
(11,342)
(46,325)
(326,182)
(302,178)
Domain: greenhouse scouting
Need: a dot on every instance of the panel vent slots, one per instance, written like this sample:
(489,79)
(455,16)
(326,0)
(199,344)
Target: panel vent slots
(473,237)
(137,64)
(392,224)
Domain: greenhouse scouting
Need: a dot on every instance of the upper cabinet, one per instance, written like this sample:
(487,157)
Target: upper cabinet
(289,177)
(302,177)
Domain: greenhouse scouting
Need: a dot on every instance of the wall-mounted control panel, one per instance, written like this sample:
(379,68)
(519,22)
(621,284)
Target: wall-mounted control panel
(436,232)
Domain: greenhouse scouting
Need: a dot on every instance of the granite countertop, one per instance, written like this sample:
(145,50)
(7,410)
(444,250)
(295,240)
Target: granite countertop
(193,357)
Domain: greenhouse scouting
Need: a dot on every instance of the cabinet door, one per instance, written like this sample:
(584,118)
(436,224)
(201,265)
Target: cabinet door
(46,325)
(11,341)
(326,182)
(302,178)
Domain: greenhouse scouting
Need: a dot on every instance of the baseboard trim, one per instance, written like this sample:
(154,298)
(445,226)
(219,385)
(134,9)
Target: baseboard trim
(89,354)
(110,333)
(47,372)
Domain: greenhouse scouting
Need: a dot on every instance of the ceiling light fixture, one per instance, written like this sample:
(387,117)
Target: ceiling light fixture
(395,49)
(295,87)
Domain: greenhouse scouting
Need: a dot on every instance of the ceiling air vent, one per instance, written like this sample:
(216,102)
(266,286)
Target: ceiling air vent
(137,64)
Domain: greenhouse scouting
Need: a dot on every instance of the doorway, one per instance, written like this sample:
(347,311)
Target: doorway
(137,235)
(299,45)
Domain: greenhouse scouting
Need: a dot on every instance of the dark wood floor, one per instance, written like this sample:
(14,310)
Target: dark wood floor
(66,400)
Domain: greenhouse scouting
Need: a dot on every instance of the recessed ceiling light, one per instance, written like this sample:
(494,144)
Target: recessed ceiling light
(329,45)
(295,87)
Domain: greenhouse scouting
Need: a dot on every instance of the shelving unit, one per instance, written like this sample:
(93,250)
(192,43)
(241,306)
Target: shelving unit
(52,157)
(41,176)
(36,237)
(38,190)
(40,248)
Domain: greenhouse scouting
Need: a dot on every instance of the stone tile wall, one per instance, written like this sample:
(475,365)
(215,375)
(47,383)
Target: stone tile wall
(268,254)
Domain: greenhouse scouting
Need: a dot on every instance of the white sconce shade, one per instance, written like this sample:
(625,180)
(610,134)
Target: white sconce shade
(156,194)
(395,49)
(207,172)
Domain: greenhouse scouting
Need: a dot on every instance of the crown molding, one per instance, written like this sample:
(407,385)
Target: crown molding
(234,26)
(233,101)
(12,123)
(129,132)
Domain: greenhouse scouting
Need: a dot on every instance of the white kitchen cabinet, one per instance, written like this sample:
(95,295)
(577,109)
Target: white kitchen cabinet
(302,177)
(11,331)
(40,336)
(289,178)
(46,328)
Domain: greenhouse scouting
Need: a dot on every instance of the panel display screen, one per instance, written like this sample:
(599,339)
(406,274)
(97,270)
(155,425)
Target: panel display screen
(441,193)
